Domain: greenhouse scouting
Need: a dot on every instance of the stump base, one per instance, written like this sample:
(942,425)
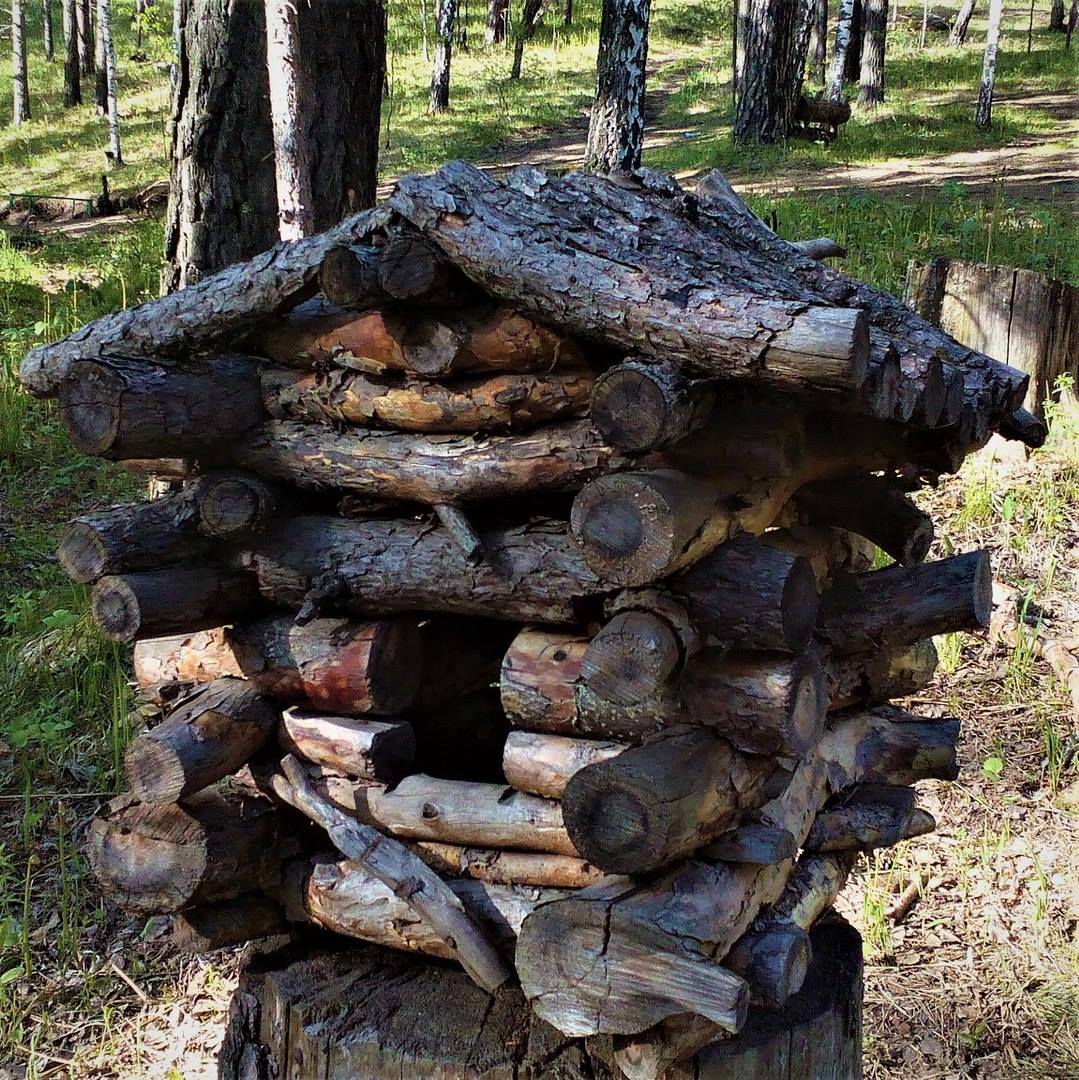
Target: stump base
(346,1012)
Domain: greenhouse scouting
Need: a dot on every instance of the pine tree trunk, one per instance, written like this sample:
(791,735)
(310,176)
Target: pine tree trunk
(440,76)
(616,127)
(983,116)
(108,56)
(46,30)
(843,27)
(853,70)
(20,84)
(292,159)
(820,40)
(497,14)
(101,82)
(84,20)
(531,15)
(72,87)
(567,12)
(962,23)
(871,93)
(1056,16)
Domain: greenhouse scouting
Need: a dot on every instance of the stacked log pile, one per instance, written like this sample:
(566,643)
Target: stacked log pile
(515,600)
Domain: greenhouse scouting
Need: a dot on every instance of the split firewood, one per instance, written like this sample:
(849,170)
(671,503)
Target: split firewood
(869,816)
(333,664)
(543,764)
(901,605)
(870,678)
(395,867)
(490,403)
(498,867)
(370,749)
(213,731)
(211,927)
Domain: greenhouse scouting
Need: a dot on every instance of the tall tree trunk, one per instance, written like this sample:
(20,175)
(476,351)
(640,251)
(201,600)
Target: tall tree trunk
(84,17)
(853,71)
(292,158)
(46,30)
(497,13)
(961,24)
(871,92)
(983,117)
(72,86)
(775,47)
(843,26)
(925,24)
(108,57)
(19,83)
(616,127)
(440,76)
(101,85)
(1073,21)
(820,41)
(567,12)
(1056,16)
(531,17)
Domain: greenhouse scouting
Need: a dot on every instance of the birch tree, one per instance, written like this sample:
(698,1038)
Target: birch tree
(101,79)
(839,52)
(983,116)
(20,85)
(498,12)
(958,34)
(84,22)
(445,17)
(47,31)
(72,85)
(874,40)
(108,57)
(616,126)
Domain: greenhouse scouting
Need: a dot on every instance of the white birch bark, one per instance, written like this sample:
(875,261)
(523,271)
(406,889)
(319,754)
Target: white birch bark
(962,22)
(19,84)
(839,53)
(983,116)
(112,107)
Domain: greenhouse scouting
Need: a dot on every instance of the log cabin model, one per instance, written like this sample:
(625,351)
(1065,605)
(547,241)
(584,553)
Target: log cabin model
(513,602)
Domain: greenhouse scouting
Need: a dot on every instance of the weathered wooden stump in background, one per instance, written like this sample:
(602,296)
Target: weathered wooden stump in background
(345,1012)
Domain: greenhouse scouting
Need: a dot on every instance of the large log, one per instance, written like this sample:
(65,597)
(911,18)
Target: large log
(368,749)
(231,503)
(334,664)
(215,845)
(491,403)
(543,764)
(117,407)
(427,468)
(639,288)
(632,657)
(531,572)
(210,733)
(901,605)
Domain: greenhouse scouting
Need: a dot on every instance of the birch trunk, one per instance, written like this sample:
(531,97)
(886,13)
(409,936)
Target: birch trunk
(101,84)
(871,93)
(84,23)
(962,22)
(72,86)
(46,30)
(19,82)
(108,55)
(440,77)
(843,24)
(983,115)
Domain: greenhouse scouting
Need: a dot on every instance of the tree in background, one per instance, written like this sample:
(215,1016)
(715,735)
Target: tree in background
(84,22)
(108,58)
(820,41)
(72,86)
(983,117)
(842,46)
(961,24)
(101,78)
(616,126)
(498,13)
(1056,17)
(567,12)
(445,17)
(20,85)
(852,73)
(531,17)
(46,30)
(874,40)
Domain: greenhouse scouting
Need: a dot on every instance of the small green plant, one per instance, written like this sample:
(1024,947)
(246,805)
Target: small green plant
(993,768)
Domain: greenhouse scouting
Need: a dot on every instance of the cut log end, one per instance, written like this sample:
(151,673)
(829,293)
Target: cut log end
(774,964)
(116,609)
(631,658)
(233,505)
(89,402)
(799,605)
(82,553)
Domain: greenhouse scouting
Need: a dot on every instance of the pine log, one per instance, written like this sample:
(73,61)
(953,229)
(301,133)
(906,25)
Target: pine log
(490,403)
(895,672)
(640,289)
(210,733)
(543,764)
(651,804)
(631,658)
(349,276)
(901,605)
(497,867)
(231,503)
(211,927)
(640,405)
(116,407)
(427,468)
(872,507)
(215,845)
(178,598)
(532,572)
(829,551)
(869,816)
(368,749)
(333,664)
(412,268)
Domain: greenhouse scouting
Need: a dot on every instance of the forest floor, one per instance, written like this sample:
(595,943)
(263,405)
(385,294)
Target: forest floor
(981,978)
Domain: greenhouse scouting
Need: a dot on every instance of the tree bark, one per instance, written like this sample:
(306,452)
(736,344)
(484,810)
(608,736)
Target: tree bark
(412,268)
(497,867)
(19,81)
(543,764)
(868,679)
(962,22)
(531,17)
(819,59)
(1056,16)
(445,17)
(497,16)
(101,80)
(112,107)
(616,126)
(47,30)
(72,84)
(874,38)
(844,26)
(869,816)
(368,749)
(84,22)
(853,72)
(983,116)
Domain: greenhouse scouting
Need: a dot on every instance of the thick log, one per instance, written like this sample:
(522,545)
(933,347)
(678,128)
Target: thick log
(901,605)
(640,405)
(349,276)
(211,927)
(137,408)
(368,749)
(651,804)
(334,664)
(412,268)
(231,503)
(869,816)
(642,290)
(179,598)
(211,732)
(215,845)
(872,507)
(632,657)
(532,572)
(543,764)
(507,867)
(890,673)
(490,403)
(427,468)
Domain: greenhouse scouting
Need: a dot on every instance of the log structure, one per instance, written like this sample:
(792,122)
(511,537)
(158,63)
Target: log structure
(520,602)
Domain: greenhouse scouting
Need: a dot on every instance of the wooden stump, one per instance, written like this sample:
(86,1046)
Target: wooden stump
(337,1012)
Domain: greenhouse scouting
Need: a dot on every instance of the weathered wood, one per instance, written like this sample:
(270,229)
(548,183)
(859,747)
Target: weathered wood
(334,664)
(217,844)
(488,403)
(543,764)
(368,749)
(872,507)
(455,521)
(531,572)
(427,468)
(632,656)
(179,598)
(412,268)
(212,732)
(895,672)
(651,804)
(640,405)
(231,503)
(869,816)
(349,276)
(901,605)
(139,408)
(763,845)
(507,867)
(211,927)
(829,551)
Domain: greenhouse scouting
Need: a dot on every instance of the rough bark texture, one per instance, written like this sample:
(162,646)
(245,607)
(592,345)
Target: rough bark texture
(616,127)
(497,17)
(983,115)
(19,82)
(871,90)
(445,17)
(368,749)
(72,82)
(112,106)
(963,16)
